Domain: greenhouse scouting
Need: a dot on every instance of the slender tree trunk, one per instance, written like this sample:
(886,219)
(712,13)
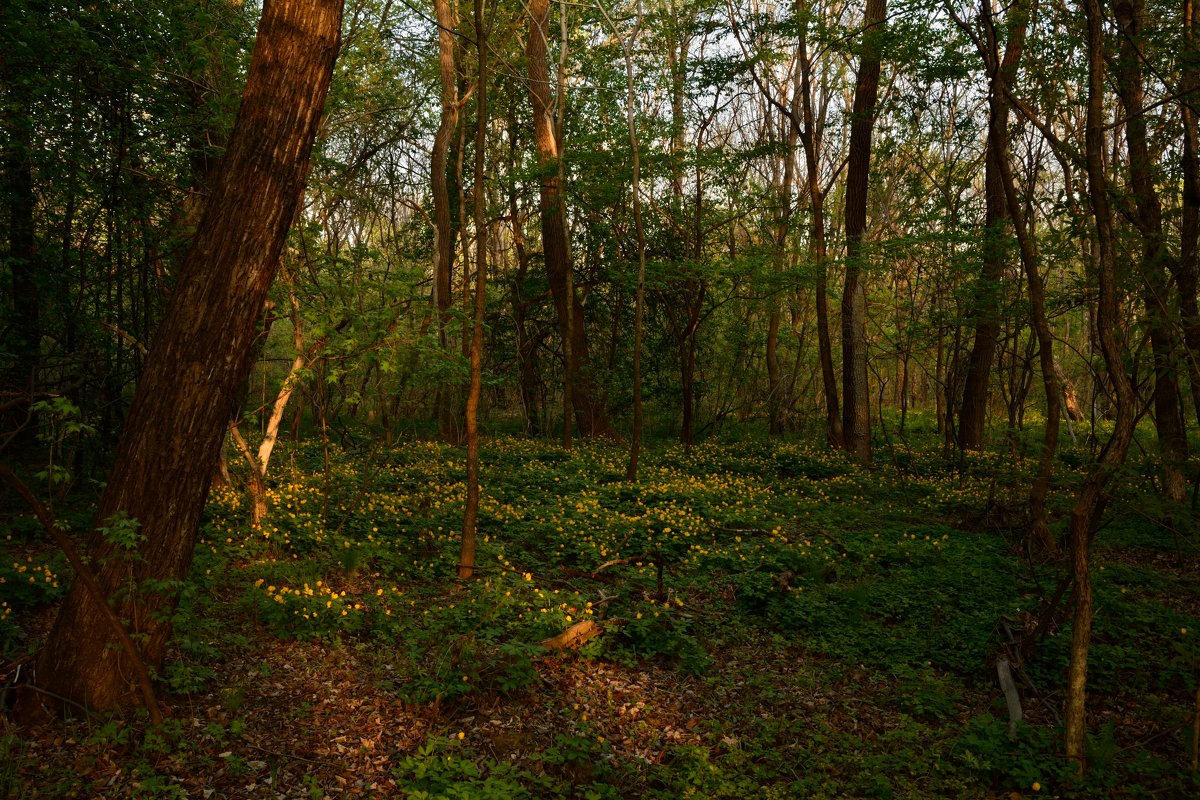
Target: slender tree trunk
(775,395)
(1039,530)
(1168,406)
(466,561)
(25,336)
(810,138)
(526,347)
(255,481)
(1187,270)
(589,412)
(201,354)
(271,434)
(444,232)
(635,444)
(1095,487)
(986,303)
(856,406)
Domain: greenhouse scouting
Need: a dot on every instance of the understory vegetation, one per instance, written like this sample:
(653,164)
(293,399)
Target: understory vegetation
(774,620)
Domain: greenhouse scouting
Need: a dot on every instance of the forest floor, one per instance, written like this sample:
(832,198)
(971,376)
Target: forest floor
(774,621)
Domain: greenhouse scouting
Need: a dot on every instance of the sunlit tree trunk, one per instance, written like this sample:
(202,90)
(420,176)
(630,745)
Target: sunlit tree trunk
(856,405)
(466,561)
(200,356)
(444,232)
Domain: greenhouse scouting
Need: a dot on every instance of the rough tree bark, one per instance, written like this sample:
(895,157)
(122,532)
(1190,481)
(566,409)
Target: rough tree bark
(201,354)
(856,402)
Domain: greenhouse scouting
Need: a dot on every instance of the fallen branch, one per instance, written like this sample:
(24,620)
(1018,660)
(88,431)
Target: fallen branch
(620,562)
(1011,697)
(572,572)
(574,636)
(90,584)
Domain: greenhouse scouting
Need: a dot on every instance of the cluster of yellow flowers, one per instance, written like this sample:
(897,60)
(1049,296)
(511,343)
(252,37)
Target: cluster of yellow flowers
(310,602)
(30,572)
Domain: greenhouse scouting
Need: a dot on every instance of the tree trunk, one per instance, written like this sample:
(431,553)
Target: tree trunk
(255,482)
(810,138)
(1187,268)
(856,405)
(635,444)
(201,354)
(1095,487)
(589,412)
(1168,402)
(444,232)
(526,347)
(986,302)
(466,561)
(25,336)
(775,395)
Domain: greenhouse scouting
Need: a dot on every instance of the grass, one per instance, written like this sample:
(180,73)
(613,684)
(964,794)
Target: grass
(819,631)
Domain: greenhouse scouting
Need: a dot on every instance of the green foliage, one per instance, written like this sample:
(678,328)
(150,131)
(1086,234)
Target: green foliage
(438,772)
(828,627)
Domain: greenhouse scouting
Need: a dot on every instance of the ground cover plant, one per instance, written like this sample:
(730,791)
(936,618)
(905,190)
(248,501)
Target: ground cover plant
(774,621)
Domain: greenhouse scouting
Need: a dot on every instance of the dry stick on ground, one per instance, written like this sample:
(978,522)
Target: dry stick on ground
(620,562)
(84,574)
(574,636)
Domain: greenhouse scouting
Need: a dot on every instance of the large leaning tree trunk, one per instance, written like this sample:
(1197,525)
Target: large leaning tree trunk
(856,405)
(201,354)
(588,406)
(985,306)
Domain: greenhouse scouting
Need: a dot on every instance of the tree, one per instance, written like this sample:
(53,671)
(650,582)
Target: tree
(986,306)
(811,138)
(466,561)
(443,252)
(639,304)
(582,393)
(1168,405)
(1092,494)
(199,358)
(856,405)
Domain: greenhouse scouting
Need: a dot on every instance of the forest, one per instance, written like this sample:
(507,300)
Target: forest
(599,399)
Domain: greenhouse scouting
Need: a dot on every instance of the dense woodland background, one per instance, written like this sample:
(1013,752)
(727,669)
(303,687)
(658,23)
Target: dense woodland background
(869,226)
(115,116)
